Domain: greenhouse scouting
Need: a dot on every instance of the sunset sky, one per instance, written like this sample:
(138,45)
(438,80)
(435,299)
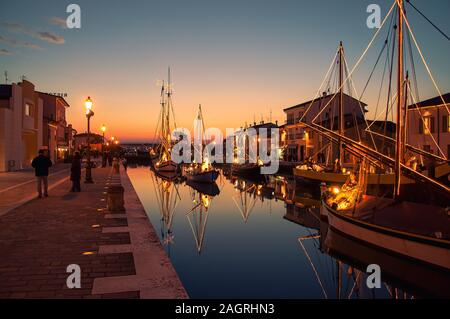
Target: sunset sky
(239,59)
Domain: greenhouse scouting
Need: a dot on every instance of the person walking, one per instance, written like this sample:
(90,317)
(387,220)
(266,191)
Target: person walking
(125,163)
(75,172)
(116,165)
(110,159)
(41,164)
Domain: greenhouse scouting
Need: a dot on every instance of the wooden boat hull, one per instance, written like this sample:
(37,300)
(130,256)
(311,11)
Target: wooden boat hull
(204,177)
(168,169)
(396,271)
(429,250)
(339,178)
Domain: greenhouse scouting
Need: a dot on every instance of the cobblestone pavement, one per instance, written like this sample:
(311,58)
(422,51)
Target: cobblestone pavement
(39,239)
(19,187)
(23,177)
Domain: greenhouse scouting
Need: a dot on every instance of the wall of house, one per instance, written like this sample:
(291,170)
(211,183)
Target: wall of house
(55,125)
(20,134)
(10,131)
(422,138)
(303,142)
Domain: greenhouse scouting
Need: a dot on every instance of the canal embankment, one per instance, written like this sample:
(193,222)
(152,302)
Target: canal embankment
(118,253)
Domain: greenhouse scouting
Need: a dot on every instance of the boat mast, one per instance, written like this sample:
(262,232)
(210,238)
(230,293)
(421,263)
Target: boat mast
(169,106)
(341,103)
(405,116)
(163,117)
(400,80)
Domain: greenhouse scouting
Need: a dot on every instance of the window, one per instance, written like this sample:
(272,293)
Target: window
(27,109)
(290,118)
(426,125)
(445,124)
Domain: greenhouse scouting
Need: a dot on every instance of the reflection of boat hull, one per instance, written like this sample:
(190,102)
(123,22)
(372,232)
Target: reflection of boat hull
(245,169)
(210,189)
(339,178)
(426,249)
(396,271)
(303,200)
(304,217)
(203,177)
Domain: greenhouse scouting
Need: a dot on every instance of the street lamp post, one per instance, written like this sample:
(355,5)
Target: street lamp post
(103,146)
(89,114)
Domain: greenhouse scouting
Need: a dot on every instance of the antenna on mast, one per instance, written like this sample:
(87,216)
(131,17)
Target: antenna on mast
(6,77)
(169,84)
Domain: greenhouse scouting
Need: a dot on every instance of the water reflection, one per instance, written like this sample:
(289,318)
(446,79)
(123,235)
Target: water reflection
(201,196)
(266,239)
(167,198)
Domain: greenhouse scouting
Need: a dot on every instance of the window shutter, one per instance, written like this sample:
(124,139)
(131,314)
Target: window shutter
(420,126)
(432,125)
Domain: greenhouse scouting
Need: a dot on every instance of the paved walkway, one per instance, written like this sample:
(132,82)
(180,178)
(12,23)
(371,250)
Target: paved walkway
(19,187)
(25,176)
(39,239)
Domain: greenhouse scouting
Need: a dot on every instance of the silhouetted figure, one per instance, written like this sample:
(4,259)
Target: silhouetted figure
(75,173)
(110,159)
(41,164)
(125,163)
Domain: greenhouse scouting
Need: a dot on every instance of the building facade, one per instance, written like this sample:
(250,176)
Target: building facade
(429,125)
(55,137)
(21,113)
(301,142)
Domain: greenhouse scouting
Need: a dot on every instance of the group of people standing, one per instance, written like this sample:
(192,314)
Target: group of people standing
(42,164)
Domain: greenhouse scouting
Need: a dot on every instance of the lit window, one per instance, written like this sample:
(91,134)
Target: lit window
(27,109)
(427,126)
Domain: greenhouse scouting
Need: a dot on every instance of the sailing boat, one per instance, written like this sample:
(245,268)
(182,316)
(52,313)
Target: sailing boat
(339,172)
(201,172)
(162,162)
(414,230)
(400,273)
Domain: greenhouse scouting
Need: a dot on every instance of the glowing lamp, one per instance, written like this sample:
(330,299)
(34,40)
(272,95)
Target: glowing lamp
(88,103)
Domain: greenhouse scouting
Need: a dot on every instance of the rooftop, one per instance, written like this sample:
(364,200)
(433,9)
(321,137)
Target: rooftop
(55,96)
(318,99)
(435,101)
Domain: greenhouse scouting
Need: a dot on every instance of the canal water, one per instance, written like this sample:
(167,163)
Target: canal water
(254,239)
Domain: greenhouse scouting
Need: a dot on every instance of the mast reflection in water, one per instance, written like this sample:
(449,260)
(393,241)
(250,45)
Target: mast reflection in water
(241,238)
